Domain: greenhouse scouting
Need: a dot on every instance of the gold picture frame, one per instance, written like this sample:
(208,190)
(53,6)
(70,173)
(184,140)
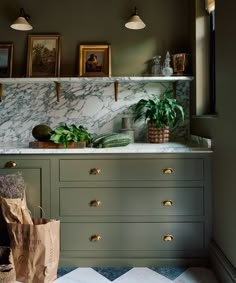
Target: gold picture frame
(95,60)
(44,54)
(6,59)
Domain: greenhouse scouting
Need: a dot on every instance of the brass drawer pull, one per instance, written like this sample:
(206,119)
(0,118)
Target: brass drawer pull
(95,238)
(168,238)
(167,202)
(95,203)
(10,164)
(168,171)
(95,171)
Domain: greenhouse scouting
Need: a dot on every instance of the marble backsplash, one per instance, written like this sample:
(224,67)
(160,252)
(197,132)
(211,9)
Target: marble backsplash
(91,104)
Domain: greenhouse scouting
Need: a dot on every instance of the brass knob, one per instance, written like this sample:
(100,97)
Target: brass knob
(168,170)
(167,202)
(10,164)
(95,171)
(168,238)
(95,203)
(95,238)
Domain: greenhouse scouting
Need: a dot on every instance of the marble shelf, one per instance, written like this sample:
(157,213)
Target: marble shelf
(96,79)
(116,80)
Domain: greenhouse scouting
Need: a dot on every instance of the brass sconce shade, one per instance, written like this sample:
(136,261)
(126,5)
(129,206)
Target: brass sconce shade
(210,5)
(135,21)
(21,23)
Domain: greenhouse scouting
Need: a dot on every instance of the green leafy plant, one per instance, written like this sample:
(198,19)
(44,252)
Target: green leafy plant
(64,134)
(161,111)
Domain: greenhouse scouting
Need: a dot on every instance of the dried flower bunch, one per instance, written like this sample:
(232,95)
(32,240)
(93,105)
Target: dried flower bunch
(12,186)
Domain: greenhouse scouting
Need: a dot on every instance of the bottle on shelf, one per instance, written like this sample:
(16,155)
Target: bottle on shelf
(167,70)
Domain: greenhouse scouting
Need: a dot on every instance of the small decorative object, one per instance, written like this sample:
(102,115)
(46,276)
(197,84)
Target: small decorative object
(167,70)
(156,67)
(95,60)
(65,134)
(181,63)
(44,53)
(6,58)
(160,114)
(126,127)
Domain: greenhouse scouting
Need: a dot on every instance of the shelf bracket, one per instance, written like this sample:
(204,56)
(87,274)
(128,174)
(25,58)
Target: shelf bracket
(174,88)
(116,84)
(58,90)
(1,92)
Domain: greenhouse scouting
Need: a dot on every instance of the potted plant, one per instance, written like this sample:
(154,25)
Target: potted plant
(65,134)
(160,113)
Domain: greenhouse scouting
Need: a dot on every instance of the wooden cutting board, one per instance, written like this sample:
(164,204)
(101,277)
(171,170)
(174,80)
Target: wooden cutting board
(50,144)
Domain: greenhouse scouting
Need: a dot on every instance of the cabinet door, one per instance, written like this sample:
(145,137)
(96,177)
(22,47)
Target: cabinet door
(36,176)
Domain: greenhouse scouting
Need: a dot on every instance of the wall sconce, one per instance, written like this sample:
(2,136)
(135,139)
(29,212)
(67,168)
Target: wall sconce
(210,5)
(135,21)
(21,23)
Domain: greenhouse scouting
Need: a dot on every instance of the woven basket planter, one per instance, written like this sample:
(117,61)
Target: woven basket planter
(158,135)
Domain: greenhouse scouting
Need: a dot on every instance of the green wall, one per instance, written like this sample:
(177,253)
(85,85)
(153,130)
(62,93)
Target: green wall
(168,28)
(101,21)
(222,130)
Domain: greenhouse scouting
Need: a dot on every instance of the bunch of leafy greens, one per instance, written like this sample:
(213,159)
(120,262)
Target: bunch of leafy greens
(65,134)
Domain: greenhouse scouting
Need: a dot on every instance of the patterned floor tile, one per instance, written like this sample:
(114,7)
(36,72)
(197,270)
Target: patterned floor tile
(63,271)
(169,272)
(197,275)
(111,273)
(142,275)
(137,275)
(83,275)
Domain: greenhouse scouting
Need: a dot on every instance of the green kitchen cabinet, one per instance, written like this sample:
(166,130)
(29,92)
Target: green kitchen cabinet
(136,209)
(133,209)
(36,173)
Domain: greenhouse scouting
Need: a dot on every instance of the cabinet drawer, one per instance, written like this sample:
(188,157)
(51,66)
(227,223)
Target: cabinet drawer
(131,201)
(131,170)
(131,236)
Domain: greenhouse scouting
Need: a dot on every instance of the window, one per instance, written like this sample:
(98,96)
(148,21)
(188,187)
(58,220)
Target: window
(205,57)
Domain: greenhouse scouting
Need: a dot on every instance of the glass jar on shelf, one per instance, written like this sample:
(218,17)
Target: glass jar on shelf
(156,65)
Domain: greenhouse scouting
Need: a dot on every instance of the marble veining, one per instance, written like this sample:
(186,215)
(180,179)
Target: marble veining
(84,102)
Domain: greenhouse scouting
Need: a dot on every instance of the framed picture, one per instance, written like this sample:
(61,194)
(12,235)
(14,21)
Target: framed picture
(44,54)
(6,58)
(95,60)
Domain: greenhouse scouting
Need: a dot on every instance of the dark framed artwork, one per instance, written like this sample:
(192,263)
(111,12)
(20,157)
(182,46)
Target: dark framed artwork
(95,60)
(6,59)
(44,54)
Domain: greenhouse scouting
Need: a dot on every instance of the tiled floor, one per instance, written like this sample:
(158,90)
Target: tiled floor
(137,275)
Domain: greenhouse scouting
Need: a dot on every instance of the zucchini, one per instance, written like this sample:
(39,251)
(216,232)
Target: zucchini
(116,138)
(100,138)
(112,140)
(117,143)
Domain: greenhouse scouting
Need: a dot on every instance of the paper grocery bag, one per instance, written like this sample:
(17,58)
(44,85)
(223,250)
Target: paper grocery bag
(36,249)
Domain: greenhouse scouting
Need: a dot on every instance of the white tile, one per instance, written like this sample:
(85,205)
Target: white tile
(83,275)
(141,275)
(197,275)
(65,280)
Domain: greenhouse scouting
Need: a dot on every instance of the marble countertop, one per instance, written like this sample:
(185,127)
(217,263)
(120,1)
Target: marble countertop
(196,145)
